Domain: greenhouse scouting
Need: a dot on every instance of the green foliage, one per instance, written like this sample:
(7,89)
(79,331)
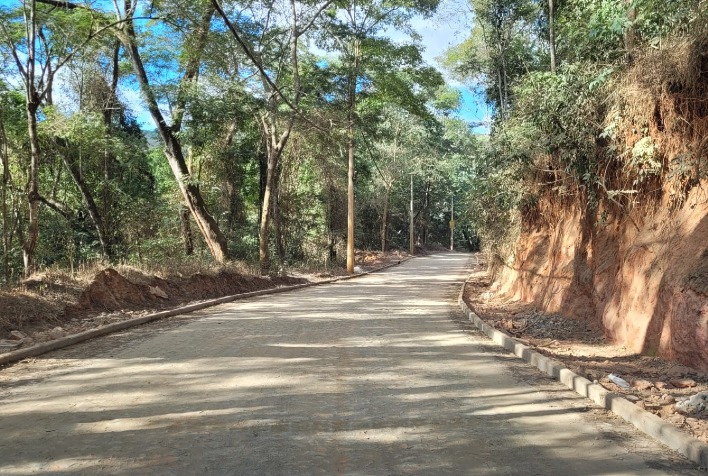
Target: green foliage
(570,134)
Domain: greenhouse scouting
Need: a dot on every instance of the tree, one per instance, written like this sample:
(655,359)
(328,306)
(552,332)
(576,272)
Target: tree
(352,30)
(194,46)
(277,126)
(500,49)
(38,56)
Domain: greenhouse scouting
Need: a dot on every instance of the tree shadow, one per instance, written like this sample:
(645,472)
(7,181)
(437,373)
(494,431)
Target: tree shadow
(348,379)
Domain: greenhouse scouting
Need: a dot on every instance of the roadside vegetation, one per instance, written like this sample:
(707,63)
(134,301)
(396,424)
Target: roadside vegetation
(282,134)
(599,104)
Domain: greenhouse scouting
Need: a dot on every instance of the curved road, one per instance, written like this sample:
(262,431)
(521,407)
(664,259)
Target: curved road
(374,376)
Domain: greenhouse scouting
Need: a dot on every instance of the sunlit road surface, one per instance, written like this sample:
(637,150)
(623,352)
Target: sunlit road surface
(368,377)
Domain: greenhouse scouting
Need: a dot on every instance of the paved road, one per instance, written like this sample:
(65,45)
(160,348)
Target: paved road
(373,376)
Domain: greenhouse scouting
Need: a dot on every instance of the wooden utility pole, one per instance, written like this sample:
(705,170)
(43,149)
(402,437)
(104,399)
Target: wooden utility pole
(351,111)
(552,35)
(452,223)
(412,234)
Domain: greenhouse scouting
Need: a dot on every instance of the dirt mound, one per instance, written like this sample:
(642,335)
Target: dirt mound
(110,291)
(19,309)
(52,304)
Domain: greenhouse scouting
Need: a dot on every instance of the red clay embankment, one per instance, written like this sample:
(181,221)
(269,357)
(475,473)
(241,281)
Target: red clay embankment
(642,277)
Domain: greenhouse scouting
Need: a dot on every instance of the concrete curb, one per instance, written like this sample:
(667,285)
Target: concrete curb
(652,425)
(44,347)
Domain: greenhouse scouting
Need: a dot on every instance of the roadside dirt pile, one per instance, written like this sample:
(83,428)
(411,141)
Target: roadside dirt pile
(110,291)
(50,300)
(54,303)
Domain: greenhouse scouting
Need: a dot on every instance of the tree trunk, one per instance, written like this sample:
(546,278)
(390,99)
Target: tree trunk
(332,241)
(278,225)
(263,255)
(385,220)
(108,158)
(86,194)
(32,237)
(426,232)
(5,182)
(629,34)
(276,145)
(552,34)
(233,179)
(186,227)
(214,239)
(32,101)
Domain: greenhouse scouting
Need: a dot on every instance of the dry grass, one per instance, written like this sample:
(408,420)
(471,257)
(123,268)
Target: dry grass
(665,96)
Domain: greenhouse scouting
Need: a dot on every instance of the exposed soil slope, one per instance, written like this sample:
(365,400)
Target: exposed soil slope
(642,279)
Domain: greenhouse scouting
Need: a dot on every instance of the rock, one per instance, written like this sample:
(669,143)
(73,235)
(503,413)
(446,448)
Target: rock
(56,333)
(677,419)
(682,382)
(8,345)
(358,269)
(641,384)
(697,403)
(640,404)
(156,291)
(17,335)
(632,398)
(619,381)
(663,385)
(668,410)
(678,371)
(668,398)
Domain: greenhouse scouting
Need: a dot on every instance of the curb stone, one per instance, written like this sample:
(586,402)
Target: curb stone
(44,347)
(666,433)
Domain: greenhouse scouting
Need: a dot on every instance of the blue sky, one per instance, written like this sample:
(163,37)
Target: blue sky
(448,27)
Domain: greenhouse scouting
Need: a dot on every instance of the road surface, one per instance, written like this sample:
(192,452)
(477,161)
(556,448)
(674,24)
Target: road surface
(374,376)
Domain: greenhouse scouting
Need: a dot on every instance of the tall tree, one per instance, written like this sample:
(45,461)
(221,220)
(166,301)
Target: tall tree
(277,126)
(38,56)
(354,31)
(193,48)
(552,33)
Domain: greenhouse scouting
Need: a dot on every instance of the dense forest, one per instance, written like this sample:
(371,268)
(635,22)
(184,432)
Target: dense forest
(597,102)
(274,126)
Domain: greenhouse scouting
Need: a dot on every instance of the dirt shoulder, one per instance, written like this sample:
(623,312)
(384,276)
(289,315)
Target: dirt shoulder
(655,384)
(52,305)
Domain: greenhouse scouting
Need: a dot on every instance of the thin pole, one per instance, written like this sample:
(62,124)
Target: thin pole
(412,237)
(452,223)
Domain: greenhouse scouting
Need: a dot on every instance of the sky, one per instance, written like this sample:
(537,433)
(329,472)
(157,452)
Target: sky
(450,27)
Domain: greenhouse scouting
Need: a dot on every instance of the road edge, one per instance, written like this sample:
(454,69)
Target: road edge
(644,421)
(44,347)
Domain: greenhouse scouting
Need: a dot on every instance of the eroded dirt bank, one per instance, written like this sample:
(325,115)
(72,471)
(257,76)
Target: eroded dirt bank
(642,278)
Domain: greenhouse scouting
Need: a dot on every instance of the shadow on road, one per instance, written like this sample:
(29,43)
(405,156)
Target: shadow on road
(365,377)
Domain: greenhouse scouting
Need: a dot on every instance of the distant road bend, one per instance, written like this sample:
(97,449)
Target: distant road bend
(373,376)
